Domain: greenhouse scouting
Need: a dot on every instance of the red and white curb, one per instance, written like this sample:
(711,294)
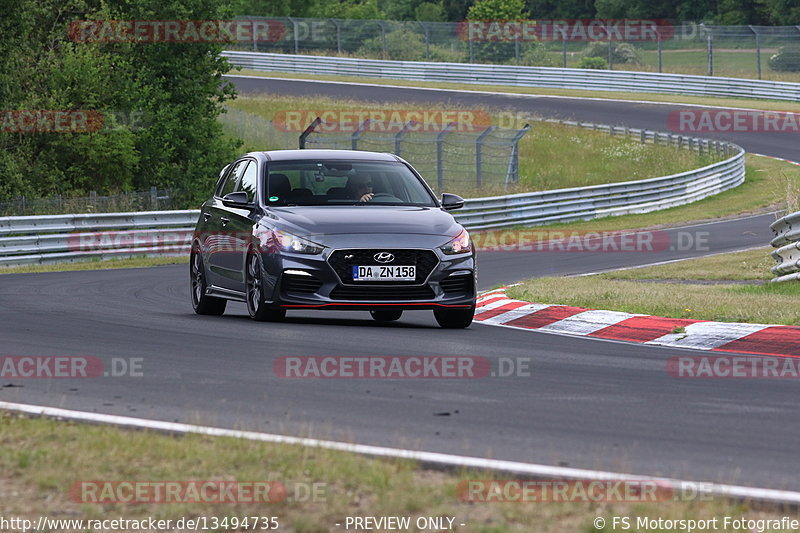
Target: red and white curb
(497,309)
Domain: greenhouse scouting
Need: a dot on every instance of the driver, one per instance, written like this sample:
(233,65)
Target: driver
(360,188)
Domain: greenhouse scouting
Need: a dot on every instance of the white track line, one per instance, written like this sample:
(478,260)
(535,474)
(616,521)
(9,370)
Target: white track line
(443,459)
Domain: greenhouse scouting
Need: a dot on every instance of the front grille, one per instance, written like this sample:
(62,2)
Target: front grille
(342,261)
(295,283)
(374,293)
(457,284)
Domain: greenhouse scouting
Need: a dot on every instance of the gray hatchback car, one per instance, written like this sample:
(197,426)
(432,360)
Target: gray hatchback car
(331,229)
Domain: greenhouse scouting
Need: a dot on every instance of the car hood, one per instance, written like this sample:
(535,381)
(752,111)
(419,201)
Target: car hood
(338,220)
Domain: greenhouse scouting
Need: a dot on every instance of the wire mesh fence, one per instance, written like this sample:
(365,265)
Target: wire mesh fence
(764,52)
(152,200)
(450,158)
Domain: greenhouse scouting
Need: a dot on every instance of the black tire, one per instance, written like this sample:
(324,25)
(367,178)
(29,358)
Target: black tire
(256,308)
(387,315)
(201,302)
(454,318)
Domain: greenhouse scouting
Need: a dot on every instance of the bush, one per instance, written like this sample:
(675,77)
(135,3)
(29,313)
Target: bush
(620,52)
(786,60)
(535,54)
(597,63)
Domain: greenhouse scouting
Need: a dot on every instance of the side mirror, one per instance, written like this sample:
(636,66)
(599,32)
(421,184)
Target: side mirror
(451,201)
(237,199)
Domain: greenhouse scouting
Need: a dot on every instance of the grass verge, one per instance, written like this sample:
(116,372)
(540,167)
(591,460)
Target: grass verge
(136,262)
(707,288)
(747,103)
(41,459)
(552,156)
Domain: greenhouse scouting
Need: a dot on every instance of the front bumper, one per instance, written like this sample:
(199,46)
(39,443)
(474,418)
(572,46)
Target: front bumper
(320,282)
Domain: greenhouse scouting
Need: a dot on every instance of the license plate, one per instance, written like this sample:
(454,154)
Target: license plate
(384,273)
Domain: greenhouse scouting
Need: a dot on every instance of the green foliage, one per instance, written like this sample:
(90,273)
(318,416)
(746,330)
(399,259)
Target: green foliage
(351,9)
(430,11)
(176,88)
(596,63)
(497,10)
(620,52)
(787,59)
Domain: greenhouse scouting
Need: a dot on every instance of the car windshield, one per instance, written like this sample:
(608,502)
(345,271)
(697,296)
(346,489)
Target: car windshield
(342,182)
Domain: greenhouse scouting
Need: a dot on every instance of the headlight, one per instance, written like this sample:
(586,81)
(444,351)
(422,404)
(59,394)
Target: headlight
(292,243)
(460,245)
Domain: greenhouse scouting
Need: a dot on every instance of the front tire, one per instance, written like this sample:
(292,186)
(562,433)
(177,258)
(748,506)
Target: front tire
(386,315)
(454,318)
(256,307)
(201,302)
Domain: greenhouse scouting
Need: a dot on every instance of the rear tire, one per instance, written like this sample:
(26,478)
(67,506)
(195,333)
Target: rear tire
(256,308)
(386,315)
(201,302)
(454,318)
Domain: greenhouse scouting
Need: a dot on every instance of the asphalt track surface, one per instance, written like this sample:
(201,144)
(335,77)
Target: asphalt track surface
(586,403)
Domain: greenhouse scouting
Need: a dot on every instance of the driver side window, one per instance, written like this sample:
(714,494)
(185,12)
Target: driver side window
(229,184)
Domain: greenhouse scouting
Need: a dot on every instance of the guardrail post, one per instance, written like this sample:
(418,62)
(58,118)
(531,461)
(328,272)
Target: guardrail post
(357,135)
(306,132)
(479,155)
(398,138)
(643,137)
(439,155)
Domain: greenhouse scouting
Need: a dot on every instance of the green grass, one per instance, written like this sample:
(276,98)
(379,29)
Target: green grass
(41,459)
(552,156)
(634,290)
(137,262)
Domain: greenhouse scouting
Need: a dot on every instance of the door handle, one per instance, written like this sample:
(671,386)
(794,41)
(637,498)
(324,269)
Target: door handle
(206,216)
(224,220)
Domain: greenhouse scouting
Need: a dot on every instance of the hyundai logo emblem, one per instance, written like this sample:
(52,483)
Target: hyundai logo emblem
(384,257)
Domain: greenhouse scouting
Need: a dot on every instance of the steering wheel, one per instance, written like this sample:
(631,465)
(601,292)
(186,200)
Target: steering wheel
(385,196)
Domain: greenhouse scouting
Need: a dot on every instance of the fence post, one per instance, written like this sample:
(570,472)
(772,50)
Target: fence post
(306,132)
(296,38)
(471,52)
(154,198)
(427,40)
(383,40)
(610,58)
(658,38)
(516,49)
(338,35)
(564,50)
(758,49)
(357,135)
(479,155)
(710,47)
(514,162)
(439,159)
(398,138)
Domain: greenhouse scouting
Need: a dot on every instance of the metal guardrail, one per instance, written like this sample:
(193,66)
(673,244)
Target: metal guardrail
(787,242)
(47,239)
(44,239)
(561,78)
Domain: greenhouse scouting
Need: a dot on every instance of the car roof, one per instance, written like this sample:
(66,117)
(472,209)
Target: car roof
(299,155)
